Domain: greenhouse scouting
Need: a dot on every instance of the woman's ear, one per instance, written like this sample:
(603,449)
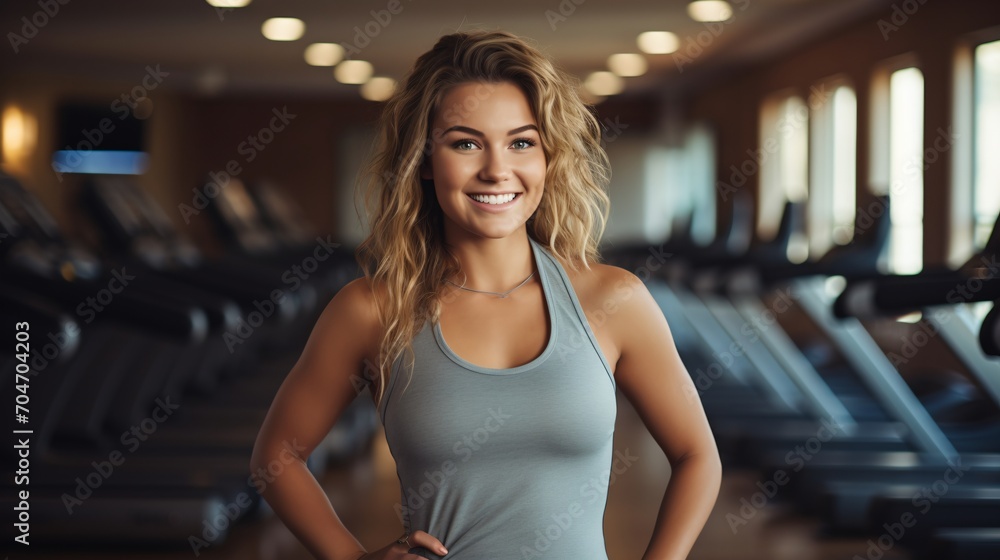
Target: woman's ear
(426,173)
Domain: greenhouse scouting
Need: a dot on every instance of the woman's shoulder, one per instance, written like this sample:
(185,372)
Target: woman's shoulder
(360,292)
(600,284)
(354,305)
(357,296)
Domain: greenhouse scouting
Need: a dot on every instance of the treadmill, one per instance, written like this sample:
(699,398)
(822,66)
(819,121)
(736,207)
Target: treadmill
(150,501)
(966,513)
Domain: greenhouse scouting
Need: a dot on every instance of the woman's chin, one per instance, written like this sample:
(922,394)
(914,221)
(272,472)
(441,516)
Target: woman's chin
(492,231)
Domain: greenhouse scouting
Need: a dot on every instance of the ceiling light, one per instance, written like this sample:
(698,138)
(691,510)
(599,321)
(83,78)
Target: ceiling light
(283,29)
(378,88)
(324,54)
(228,3)
(658,42)
(710,10)
(627,64)
(353,71)
(604,83)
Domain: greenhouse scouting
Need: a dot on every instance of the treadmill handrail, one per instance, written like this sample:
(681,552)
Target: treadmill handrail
(878,373)
(817,392)
(957,325)
(895,295)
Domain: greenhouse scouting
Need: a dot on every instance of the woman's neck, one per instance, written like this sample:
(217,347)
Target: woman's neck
(494,265)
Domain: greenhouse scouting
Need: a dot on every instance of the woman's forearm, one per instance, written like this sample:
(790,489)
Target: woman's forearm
(687,503)
(298,499)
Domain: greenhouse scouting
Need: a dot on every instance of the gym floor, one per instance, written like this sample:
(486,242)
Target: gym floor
(364,491)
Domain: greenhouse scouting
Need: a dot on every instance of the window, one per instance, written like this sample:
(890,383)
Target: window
(897,161)
(670,183)
(986,126)
(832,167)
(687,191)
(782,158)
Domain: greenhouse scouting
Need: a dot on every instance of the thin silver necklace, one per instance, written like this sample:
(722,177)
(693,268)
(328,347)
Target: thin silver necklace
(498,294)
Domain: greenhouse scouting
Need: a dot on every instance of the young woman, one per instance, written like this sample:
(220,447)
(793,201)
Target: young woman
(492,340)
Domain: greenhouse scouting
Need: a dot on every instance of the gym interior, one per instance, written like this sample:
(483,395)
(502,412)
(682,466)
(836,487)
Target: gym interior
(809,189)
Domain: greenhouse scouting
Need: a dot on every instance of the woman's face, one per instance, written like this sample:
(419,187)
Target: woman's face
(487,162)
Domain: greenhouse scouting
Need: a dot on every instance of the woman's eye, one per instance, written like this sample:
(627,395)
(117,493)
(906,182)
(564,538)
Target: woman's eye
(522,144)
(465,145)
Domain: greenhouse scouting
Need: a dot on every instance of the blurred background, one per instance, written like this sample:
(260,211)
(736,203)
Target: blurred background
(809,188)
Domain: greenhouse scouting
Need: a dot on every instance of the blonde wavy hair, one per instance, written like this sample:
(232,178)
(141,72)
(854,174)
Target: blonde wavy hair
(405,254)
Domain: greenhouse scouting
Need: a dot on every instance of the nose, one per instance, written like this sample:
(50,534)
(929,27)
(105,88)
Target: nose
(495,169)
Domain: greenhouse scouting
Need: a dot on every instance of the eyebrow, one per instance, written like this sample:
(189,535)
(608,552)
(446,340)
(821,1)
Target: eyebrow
(475,132)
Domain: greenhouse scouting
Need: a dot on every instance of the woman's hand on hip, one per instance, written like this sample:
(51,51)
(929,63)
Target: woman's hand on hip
(399,550)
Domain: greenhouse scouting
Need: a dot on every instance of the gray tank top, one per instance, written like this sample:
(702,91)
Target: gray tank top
(507,463)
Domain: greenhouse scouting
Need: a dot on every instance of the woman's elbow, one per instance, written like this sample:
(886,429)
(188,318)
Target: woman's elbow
(256,459)
(261,455)
(707,463)
(275,455)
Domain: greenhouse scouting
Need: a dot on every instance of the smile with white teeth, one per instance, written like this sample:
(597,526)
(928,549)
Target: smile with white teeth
(493,198)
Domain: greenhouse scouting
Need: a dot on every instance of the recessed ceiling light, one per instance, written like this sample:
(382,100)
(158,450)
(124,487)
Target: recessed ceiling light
(353,71)
(627,64)
(283,29)
(324,54)
(228,3)
(658,42)
(378,88)
(604,83)
(710,10)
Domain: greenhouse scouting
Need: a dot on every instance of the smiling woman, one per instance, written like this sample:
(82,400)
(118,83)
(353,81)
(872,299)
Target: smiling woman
(488,179)
(487,194)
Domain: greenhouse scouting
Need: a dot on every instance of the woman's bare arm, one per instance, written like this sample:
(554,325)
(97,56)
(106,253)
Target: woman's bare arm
(319,387)
(651,375)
